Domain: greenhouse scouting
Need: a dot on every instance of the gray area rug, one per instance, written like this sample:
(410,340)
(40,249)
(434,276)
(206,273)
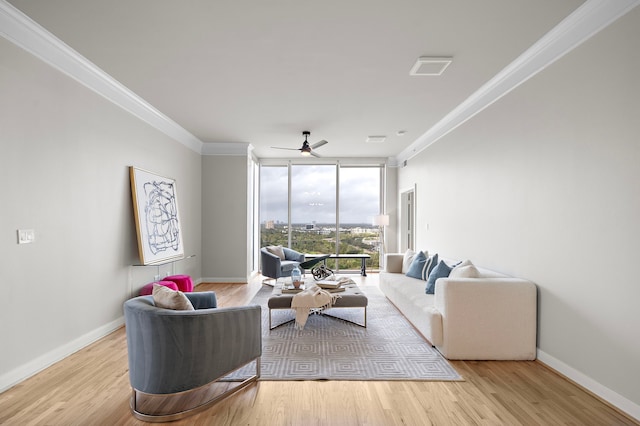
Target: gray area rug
(332,349)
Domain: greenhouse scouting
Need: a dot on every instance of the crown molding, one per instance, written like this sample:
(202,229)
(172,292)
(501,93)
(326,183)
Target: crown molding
(584,22)
(227,148)
(344,161)
(579,26)
(24,32)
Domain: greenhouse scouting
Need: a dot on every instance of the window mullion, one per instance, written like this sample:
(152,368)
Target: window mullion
(337,212)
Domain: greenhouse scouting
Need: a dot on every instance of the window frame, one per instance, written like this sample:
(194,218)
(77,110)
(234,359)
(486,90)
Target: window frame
(339,164)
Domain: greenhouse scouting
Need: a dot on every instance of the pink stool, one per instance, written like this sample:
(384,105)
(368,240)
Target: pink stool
(148,288)
(185,283)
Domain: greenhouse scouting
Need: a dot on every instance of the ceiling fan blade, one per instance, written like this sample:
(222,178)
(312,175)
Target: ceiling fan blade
(319,144)
(290,149)
(315,154)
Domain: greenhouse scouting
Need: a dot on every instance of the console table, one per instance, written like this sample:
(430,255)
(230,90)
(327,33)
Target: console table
(363,259)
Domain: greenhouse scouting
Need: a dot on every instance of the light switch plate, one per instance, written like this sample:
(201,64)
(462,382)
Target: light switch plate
(26,236)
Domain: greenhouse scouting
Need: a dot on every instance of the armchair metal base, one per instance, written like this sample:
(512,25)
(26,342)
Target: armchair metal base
(270,281)
(157,408)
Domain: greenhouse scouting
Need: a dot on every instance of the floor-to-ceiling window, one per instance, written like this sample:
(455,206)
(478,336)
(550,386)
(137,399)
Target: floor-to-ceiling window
(360,201)
(274,206)
(313,208)
(322,208)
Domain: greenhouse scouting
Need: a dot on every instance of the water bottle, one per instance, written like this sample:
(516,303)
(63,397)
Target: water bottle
(296,277)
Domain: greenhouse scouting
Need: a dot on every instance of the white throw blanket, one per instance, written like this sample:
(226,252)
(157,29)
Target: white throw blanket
(313,298)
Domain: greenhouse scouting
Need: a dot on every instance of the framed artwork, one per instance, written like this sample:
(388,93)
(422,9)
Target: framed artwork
(155,208)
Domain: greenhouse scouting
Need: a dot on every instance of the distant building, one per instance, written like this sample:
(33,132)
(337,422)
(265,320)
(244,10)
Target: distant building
(360,230)
(269,225)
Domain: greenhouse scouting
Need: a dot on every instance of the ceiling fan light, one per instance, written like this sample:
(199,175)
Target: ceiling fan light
(306,148)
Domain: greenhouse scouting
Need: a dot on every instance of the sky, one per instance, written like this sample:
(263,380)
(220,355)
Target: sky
(313,189)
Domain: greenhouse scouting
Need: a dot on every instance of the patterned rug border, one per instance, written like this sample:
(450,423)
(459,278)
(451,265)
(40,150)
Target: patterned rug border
(348,354)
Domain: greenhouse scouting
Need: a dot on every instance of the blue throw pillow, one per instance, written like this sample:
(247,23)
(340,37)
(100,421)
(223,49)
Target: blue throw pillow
(441,271)
(421,267)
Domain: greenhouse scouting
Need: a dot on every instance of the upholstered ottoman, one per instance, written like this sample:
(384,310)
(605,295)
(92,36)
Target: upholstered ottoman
(148,288)
(184,282)
(351,297)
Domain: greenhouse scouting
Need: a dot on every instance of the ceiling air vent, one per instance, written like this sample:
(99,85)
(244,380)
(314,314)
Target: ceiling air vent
(376,139)
(427,65)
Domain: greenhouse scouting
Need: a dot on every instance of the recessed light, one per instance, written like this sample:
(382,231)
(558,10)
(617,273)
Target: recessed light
(428,65)
(376,139)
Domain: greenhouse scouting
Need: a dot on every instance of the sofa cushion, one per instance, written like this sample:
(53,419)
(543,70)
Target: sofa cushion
(408,295)
(442,270)
(277,250)
(407,259)
(465,263)
(422,266)
(415,267)
(164,297)
(465,271)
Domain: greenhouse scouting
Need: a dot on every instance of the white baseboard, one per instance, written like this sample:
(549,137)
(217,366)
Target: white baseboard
(27,370)
(623,404)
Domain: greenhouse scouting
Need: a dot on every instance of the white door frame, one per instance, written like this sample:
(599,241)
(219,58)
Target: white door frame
(408,219)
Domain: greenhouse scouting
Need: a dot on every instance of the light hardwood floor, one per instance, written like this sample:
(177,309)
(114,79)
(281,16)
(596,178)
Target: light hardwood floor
(91,387)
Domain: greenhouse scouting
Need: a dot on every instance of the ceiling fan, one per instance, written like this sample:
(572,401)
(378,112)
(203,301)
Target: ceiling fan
(306,149)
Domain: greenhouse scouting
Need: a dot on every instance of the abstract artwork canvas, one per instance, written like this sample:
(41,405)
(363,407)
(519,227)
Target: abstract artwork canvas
(155,207)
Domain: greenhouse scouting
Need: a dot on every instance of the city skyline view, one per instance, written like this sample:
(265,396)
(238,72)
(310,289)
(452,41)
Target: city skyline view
(316,227)
(313,189)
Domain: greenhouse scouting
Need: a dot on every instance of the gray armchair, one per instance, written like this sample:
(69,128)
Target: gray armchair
(274,267)
(173,353)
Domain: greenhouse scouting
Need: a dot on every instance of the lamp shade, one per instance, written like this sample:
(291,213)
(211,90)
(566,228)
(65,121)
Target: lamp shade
(381,220)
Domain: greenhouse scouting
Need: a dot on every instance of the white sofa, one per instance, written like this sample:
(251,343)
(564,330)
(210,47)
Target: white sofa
(491,317)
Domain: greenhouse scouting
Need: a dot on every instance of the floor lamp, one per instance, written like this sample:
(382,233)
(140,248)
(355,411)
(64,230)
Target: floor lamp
(381,221)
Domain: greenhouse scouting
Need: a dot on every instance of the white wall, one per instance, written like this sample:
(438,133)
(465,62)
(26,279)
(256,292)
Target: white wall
(225,214)
(64,157)
(544,185)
